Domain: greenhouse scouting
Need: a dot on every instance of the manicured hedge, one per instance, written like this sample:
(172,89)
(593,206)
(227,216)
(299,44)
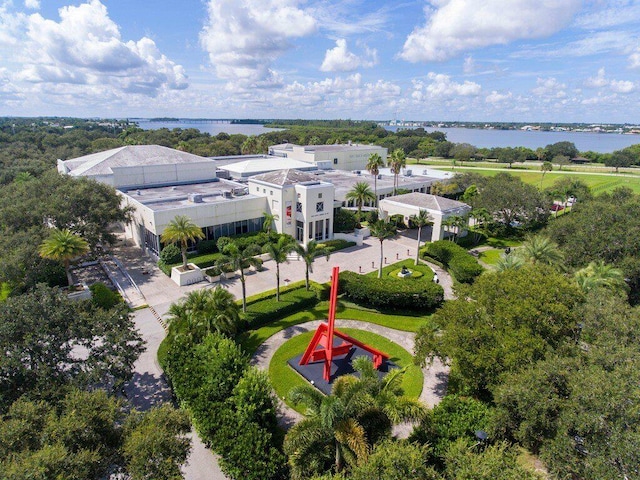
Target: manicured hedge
(337,244)
(265,310)
(391,293)
(463,266)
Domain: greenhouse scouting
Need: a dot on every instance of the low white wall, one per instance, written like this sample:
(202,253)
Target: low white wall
(349,238)
(187,278)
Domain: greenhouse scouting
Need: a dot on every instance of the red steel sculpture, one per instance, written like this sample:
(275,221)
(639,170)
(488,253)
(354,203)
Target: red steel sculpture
(321,346)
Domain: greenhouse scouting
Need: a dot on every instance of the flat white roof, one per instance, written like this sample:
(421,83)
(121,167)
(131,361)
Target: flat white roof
(265,164)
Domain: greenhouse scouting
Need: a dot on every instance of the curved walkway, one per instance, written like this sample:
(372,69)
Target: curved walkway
(434,376)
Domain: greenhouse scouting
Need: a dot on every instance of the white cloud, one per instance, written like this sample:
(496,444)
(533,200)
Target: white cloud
(349,17)
(617,13)
(85,47)
(32,4)
(598,81)
(622,86)
(442,86)
(634,59)
(496,97)
(340,59)
(550,87)
(243,37)
(455,26)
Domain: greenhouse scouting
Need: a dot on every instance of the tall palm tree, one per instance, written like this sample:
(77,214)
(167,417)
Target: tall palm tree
(269,219)
(396,161)
(360,193)
(481,217)
(239,259)
(278,252)
(205,311)
(454,224)
(182,230)
(541,249)
(250,145)
(309,254)
(382,230)
(63,246)
(374,164)
(421,220)
(544,168)
(600,274)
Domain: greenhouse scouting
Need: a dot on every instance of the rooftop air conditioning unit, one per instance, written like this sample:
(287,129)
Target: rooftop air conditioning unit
(408,173)
(195,198)
(226,194)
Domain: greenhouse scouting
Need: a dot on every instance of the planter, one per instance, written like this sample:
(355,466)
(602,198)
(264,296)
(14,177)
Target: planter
(79,292)
(212,278)
(187,277)
(230,275)
(363,232)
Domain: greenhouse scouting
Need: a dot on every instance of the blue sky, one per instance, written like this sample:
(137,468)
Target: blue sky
(467,60)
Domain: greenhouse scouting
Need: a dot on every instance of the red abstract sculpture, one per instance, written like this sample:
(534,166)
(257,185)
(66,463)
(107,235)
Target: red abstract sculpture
(321,346)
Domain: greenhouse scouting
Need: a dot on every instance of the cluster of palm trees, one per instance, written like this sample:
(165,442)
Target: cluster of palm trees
(63,246)
(541,249)
(341,429)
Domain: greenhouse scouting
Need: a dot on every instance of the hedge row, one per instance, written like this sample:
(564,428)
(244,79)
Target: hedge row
(232,405)
(464,267)
(263,310)
(337,244)
(390,293)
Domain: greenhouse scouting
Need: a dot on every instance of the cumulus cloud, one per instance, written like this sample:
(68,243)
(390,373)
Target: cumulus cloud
(622,86)
(598,81)
(497,97)
(243,37)
(616,86)
(550,87)
(32,4)
(340,59)
(85,47)
(442,86)
(634,59)
(455,26)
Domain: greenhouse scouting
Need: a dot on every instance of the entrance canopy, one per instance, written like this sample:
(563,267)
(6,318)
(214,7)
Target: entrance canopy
(410,204)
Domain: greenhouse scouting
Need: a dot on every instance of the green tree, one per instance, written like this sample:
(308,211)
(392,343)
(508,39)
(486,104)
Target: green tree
(63,246)
(544,168)
(239,259)
(206,311)
(599,274)
(360,193)
(481,221)
(509,261)
(541,249)
(567,149)
(269,220)
(561,160)
(182,230)
(396,460)
(382,230)
(620,158)
(250,145)
(396,161)
(279,251)
(374,164)
(421,220)
(308,254)
(155,445)
(455,224)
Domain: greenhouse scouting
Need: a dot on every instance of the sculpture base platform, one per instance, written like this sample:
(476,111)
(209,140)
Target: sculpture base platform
(313,371)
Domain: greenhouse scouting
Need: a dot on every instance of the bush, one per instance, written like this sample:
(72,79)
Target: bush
(213,271)
(398,221)
(262,311)
(323,290)
(170,254)
(464,267)
(344,221)
(391,293)
(207,246)
(337,244)
(104,297)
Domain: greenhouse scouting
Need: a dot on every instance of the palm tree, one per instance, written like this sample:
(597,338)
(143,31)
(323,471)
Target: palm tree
(269,219)
(278,252)
(360,193)
(600,274)
(509,262)
(421,220)
(454,224)
(63,246)
(541,249)
(382,230)
(481,217)
(309,254)
(238,259)
(182,230)
(250,145)
(205,311)
(544,168)
(373,167)
(397,161)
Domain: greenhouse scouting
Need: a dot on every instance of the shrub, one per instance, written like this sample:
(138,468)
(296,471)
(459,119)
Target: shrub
(398,221)
(213,271)
(207,246)
(344,221)
(337,244)
(104,297)
(464,267)
(262,311)
(323,290)
(170,254)
(391,293)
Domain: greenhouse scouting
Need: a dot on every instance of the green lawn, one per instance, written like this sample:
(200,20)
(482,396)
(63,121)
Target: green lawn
(597,182)
(391,271)
(284,378)
(491,257)
(251,340)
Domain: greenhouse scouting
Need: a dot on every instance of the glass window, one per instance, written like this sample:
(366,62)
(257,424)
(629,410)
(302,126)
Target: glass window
(310,230)
(298,207)
(320,208)
(335,161)
(326,228)
(320,195)
(319,229)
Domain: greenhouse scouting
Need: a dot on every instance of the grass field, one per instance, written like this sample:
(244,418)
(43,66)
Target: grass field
(598,183)
(491,257)
(284,378)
